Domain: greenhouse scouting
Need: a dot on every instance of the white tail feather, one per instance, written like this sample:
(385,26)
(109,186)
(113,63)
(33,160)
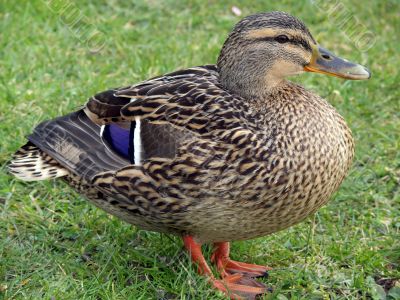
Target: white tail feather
(31,164)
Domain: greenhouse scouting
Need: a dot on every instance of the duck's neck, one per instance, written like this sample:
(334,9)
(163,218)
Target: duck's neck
(252,80)
(251,89)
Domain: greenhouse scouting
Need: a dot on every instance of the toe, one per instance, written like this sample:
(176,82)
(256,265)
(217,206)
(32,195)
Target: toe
(250,270)
(238,286)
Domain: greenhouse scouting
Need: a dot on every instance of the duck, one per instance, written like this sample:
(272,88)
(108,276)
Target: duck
(213,154)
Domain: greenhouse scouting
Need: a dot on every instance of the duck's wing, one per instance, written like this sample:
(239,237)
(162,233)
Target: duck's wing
(223,139)
(170,111)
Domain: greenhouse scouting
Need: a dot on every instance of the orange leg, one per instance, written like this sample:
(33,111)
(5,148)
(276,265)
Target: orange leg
(227,267)
(236,286)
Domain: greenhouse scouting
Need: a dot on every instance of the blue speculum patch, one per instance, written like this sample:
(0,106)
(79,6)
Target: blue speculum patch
(118,138)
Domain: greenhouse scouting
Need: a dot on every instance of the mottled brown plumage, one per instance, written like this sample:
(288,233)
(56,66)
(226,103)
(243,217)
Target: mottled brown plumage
(231,151)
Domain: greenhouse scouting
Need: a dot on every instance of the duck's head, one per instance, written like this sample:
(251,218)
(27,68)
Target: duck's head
(263,49)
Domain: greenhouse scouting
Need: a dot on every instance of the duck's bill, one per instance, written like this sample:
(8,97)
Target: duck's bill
(325,62)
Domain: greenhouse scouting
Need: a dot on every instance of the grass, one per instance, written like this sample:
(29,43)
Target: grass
(56,245)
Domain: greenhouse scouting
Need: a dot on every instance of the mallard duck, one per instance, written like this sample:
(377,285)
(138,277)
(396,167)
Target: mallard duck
(213,154)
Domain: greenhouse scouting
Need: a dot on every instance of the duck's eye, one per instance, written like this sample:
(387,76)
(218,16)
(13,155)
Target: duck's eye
(282,39)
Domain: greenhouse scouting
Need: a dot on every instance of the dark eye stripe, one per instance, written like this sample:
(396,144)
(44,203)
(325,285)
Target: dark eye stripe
(293,41)
(301,42)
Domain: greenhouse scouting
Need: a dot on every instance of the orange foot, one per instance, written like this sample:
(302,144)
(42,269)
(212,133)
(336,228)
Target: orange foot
(235,282)
(226,266)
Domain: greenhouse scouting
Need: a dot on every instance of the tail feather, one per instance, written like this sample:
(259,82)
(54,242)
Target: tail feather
(30,163)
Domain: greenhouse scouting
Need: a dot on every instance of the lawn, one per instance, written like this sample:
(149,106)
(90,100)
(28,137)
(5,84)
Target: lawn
(56,245)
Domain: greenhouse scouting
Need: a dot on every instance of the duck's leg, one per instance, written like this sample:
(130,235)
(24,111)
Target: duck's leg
(236,286)
(227,267)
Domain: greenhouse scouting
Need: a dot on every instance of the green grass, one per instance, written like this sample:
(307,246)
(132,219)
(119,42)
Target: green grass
(56,245)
